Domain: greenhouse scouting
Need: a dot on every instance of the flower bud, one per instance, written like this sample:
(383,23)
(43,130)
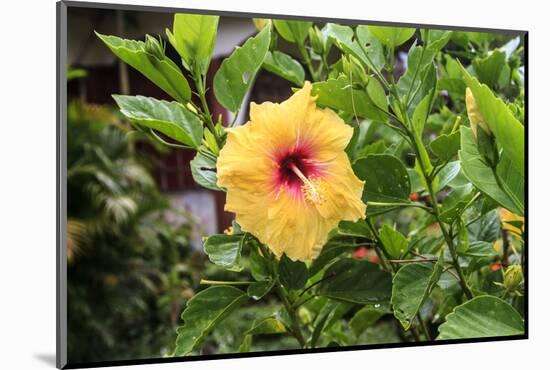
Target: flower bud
(191,108)
(485,139)
(304,315)
(210,142)
(513,277)
(154,47)
(260,23)
(316,40)
(474,115)
(229,231)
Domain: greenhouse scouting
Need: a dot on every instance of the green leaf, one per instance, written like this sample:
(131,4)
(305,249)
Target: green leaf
(386,180)
(446,146)
(358,229)
(412,285)
(328,316)
(246,344)
(392,36)
(292,31)
(330,251)
(420,115)
(203,169)
(285,66)
(237,72)
(170,118)
(372,52)
(448,174)
(436,39)
(487,228)
(481,175)
(365,318)
(377,94)
(364,47)
(420,77)
(483,316)
(162,72)
(395,243)
(455,86)
(268,325)
(455,202)
(479,249)
(259,289)
(225,250)
(259,265)
(508,131)
(512,180)
(338,34)
(338,94)
(423,163)
(463,239)
(356,281)
(293,274)
(203,312)
(193,37)
(488,69)
(378,147)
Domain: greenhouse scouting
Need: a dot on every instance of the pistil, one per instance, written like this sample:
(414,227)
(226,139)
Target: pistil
(311,188)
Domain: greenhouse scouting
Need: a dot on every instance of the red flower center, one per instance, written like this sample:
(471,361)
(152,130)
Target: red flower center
(292,162)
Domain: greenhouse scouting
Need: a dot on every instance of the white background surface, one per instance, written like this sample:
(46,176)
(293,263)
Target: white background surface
(27,182)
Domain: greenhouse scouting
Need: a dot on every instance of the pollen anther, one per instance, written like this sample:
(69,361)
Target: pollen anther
(311,188)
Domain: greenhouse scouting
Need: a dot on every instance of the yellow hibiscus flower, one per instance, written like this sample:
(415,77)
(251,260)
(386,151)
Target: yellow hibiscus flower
(288,179)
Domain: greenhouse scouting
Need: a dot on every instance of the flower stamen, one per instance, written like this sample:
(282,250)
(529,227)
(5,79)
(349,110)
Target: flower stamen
(312,188)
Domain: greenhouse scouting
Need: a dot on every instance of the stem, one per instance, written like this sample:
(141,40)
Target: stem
(307,60)
(425,259)
(452,249)
(408,96)
(448,269)
(220,282)
(392,65)
(424,326)
(200,84)
(384,255)
(324,65)
(415,334)
(281,292)
(505,247)
(294,321)
(382,204)
(456,124)
(234,119)
(442,226)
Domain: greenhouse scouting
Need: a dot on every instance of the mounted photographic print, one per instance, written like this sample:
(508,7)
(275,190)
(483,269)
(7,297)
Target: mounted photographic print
(235,184)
